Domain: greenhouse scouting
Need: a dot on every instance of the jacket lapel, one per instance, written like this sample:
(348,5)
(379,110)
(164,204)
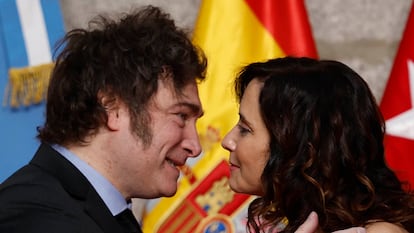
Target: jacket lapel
(77,186)
(96,209)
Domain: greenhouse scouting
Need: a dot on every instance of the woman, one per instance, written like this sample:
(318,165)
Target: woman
(310,137)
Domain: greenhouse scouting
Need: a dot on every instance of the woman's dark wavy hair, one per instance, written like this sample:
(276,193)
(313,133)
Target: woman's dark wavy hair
(327,150)
(123,59)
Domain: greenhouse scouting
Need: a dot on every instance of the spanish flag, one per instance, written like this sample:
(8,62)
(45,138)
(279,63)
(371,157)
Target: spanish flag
(397,106)
(232,33)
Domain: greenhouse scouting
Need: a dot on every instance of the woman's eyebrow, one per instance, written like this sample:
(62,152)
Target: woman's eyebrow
(243,119)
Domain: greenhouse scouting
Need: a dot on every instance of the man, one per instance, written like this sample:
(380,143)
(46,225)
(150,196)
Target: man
(120,118)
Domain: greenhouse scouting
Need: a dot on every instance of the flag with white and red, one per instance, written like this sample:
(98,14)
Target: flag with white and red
(397,106)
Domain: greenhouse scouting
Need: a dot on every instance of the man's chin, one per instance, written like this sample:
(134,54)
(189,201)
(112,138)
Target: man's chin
(169,192)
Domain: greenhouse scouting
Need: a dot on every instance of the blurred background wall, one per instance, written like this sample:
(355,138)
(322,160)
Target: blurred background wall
(363,34)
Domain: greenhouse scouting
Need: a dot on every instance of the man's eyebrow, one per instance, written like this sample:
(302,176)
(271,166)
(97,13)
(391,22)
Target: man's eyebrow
(194,108)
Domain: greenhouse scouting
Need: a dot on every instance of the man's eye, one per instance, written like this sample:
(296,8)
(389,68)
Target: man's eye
(182,116)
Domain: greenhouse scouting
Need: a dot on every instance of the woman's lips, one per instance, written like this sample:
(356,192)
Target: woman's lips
(233,166)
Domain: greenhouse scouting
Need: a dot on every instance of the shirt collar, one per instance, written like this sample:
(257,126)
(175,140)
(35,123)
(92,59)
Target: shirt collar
(113,199)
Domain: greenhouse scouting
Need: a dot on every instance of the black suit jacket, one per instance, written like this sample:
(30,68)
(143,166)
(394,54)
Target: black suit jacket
(51,195)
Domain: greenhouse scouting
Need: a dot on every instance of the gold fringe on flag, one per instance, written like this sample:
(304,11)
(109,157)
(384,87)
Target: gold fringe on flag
(28,85)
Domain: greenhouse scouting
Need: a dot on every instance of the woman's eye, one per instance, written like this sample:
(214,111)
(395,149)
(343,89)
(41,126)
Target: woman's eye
(243,130)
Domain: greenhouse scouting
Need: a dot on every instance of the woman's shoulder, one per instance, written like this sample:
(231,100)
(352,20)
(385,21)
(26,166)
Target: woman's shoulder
(385,227)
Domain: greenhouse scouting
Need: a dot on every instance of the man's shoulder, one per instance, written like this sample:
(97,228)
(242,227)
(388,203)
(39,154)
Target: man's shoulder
(32,186)
(32,200)
(48,177)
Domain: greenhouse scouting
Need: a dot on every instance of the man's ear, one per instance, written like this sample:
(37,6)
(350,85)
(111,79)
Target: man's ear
(113,122)
(112,108)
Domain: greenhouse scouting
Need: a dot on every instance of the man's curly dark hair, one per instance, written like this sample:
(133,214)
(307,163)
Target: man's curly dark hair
(122,58)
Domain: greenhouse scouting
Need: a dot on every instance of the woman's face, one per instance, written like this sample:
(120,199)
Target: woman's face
(248,143)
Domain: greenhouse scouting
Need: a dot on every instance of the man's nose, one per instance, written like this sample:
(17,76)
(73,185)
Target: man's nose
(191,142)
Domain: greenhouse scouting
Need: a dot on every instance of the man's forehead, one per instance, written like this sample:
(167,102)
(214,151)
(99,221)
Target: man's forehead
(187,97)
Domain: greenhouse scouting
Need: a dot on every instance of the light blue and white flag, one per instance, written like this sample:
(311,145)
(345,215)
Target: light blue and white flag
(29,30)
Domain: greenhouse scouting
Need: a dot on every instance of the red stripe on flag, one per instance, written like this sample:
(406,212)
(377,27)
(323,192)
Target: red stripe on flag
(396,101)
(187,216)
(287,21)
(396,98)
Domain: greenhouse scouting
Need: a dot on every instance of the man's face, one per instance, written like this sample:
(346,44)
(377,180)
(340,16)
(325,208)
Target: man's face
(152,171)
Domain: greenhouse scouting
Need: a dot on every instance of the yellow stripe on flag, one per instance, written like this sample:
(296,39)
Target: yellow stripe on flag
(231,36)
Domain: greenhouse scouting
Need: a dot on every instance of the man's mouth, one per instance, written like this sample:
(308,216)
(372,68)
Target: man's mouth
(172,163)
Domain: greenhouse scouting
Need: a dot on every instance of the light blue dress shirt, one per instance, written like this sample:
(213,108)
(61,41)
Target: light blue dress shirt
(113,199)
